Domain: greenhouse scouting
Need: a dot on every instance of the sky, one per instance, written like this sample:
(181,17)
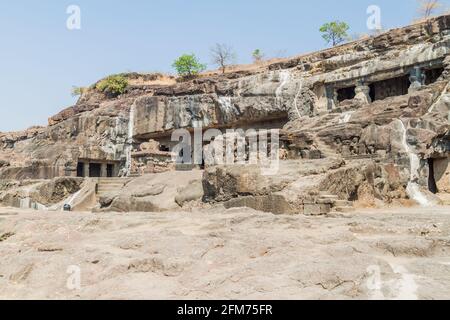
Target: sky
(41,59)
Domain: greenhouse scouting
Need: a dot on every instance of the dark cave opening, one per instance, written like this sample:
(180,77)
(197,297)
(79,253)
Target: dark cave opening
(346,94)
(389,88)
(95,170)
(431,179)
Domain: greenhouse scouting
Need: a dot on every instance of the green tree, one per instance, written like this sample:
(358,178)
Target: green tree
(113,85)
(188,66)
(335,32)
(258,55)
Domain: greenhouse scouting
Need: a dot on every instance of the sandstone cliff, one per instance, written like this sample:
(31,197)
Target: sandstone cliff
(379,106)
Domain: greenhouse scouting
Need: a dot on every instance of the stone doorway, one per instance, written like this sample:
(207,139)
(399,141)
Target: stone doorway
(95,170)
(110,170)
(389,88)
(80,169)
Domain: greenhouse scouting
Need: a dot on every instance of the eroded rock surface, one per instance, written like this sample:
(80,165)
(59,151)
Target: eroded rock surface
(379,106)
(156,193)
(226,254)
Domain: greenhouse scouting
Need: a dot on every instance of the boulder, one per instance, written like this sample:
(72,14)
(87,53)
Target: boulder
(191,192)
(156,192)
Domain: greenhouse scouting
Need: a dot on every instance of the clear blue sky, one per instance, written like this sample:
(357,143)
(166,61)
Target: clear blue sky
(40,59)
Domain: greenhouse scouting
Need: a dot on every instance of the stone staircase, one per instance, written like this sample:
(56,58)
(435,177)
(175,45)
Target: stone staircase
(337,205)
(110,185)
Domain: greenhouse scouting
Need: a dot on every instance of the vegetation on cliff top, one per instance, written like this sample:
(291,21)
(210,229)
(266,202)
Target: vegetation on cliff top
(335,32)
(222,55)
(113,85)
(78,91)
(428,8)
(257,55)
(188,66)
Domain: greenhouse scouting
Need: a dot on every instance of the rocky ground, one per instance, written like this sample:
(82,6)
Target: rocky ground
(217,253)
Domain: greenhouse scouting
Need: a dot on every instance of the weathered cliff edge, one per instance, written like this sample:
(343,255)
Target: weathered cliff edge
(365,121)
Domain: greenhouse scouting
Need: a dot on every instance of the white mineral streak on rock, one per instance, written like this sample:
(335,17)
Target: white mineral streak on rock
(296,97)
(227,108)
(413,189)
(116,133)
(129,148)
(346,117)
(284,78)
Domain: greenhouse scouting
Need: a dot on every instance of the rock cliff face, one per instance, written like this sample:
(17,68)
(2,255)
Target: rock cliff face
(379,106)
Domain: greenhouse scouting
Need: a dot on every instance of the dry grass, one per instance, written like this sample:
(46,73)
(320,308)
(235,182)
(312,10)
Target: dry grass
(163,80)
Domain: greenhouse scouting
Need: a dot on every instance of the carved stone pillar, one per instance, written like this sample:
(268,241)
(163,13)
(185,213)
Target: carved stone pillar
(104,170)
(331,96)
(86,169)
(417,79)
(362,93)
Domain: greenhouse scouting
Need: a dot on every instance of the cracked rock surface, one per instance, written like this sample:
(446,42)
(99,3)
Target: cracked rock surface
(214,253)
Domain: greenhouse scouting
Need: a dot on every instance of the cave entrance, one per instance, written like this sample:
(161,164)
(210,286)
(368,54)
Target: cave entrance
(432,186)
(95,170)
(346,94)
(389,88)
(110,170)
(80,169)
(432,75)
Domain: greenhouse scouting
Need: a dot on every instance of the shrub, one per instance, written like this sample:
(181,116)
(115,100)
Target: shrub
(258,55)
(113,85)
(78,91)
(188,66)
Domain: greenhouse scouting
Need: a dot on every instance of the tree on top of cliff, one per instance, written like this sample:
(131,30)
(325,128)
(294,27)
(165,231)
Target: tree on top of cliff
(188,66)
(335,32)
(222,55)
(427,8)
(258,55)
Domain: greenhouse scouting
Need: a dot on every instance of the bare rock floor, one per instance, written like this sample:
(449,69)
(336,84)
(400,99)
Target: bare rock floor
(230,254)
